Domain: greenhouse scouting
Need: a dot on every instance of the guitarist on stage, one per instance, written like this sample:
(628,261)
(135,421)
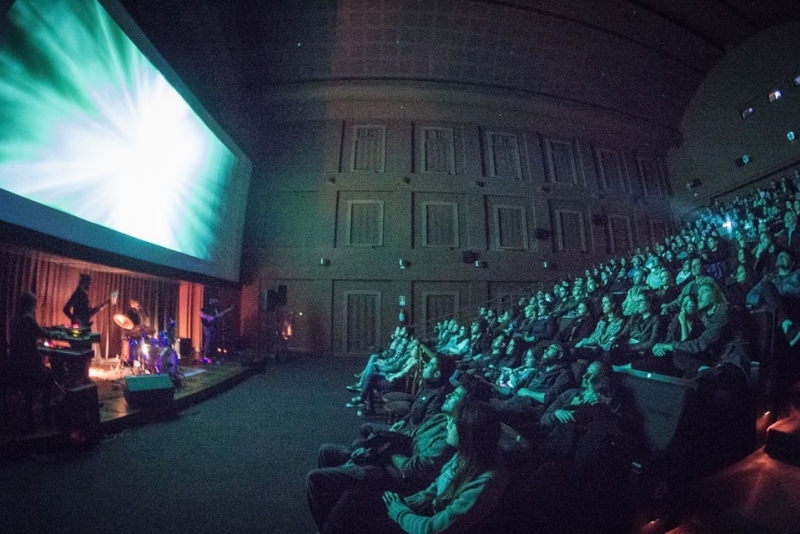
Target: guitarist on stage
(210,317)
(77,307)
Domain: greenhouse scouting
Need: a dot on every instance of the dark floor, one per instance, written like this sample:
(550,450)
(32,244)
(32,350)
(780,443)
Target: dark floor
(233,463)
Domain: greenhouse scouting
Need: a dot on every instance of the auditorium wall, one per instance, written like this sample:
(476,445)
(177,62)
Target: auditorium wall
(732,115)
(375,192)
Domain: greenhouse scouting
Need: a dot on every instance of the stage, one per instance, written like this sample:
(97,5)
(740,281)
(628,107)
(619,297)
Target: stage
(198,383)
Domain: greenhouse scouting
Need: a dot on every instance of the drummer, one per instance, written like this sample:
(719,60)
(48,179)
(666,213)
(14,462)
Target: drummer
(135,313)
(135,322)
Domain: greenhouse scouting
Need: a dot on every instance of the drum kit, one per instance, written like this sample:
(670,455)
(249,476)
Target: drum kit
(146,351)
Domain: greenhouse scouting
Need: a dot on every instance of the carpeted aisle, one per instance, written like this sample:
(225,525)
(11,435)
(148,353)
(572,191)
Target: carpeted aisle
(235,463)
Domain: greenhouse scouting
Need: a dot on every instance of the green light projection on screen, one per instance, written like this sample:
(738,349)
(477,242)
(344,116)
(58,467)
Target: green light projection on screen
(91,128)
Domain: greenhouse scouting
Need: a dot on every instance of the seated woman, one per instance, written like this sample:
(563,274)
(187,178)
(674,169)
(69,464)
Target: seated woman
(591,348)
(468,488)
(685,326)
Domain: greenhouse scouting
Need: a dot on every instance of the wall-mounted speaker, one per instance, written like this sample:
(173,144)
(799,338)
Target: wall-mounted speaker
(270,299)
(598,219)
(281,295)
(542,234)
(469,256)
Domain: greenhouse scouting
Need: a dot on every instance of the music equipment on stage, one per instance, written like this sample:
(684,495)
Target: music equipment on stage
(213,318)
(72,336)
(79,411)
(70,366)
(123,321)
(150,392)
(112,299)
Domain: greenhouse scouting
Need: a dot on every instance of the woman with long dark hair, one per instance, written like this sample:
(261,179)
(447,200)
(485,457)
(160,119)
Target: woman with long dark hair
(468,487)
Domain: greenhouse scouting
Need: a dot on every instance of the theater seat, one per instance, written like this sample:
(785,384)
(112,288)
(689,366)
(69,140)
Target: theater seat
(396,410)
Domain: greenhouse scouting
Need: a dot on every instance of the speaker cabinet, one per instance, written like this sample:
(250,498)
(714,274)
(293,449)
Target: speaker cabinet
(281,295)
(469,256)
(79,410)
(185,348)
(150,392)
(270,299)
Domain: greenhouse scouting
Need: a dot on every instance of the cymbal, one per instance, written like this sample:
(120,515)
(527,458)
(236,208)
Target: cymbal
(142,330)
(123,321)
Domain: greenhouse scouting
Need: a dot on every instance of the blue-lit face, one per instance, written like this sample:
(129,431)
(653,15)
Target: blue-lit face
(89,127)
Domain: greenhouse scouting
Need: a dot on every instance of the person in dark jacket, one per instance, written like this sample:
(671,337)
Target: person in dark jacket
(523,406)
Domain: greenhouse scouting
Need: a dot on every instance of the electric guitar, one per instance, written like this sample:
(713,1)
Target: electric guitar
(208,320)
(112,299)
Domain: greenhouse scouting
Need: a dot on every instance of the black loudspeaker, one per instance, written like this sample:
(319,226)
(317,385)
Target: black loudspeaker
(469,256)
(280,295)
(150,392)
(269,300)
(541,234)
(79,410)
(185,348)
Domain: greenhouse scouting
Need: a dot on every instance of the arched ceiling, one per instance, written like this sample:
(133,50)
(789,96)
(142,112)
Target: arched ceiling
(641,58)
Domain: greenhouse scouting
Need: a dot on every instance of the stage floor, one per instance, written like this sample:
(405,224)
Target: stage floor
(199,383)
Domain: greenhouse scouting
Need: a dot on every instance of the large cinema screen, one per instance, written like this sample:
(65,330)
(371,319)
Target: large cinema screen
(102,145)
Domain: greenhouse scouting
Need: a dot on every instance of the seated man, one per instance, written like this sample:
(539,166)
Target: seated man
(698,270)
(384,382)
(522,407)
(397,346)
(640,333)
(510,359)
(591,348)
(480,341)
(26,369)
(482,362)
(410,464)
(562,410)
(543,328)
(577,328)
(779,292)
(428,400)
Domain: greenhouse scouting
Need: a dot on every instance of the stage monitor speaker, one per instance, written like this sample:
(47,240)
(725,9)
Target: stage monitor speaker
(280,295)
(150,392)
(79,410)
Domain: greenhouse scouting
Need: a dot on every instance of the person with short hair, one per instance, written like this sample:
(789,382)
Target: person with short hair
(608,326)
(26,369)
(522,406)
(77,308)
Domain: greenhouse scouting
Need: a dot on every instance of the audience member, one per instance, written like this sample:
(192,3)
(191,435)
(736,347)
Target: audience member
(468,488)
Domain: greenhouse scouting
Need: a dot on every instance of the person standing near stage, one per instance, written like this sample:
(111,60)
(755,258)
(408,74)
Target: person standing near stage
(25,367)
(212,328)
(78,308)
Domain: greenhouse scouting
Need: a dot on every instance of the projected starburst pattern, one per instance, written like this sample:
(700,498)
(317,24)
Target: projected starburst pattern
(89,127)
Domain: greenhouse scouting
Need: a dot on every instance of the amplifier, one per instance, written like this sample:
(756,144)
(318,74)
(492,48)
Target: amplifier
(150,392)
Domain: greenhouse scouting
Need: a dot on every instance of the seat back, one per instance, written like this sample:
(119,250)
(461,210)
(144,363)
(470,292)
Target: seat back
(658,400)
